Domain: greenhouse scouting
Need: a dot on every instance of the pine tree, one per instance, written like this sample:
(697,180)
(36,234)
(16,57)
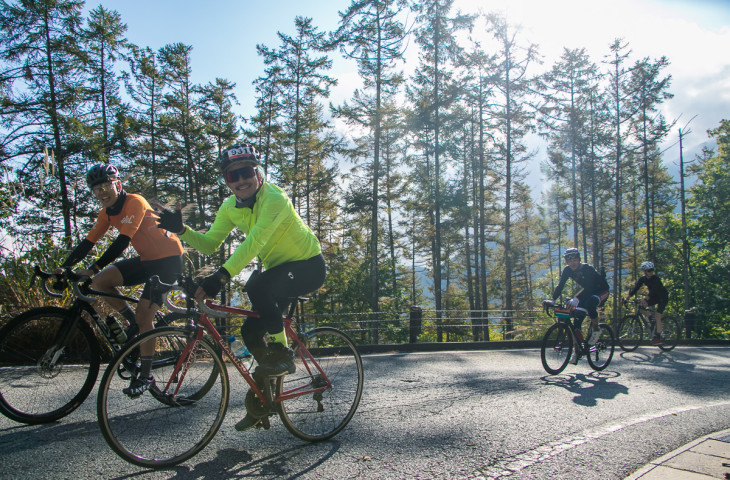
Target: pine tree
(104,44)
(649,128)
(513,122)
(436,34)
(43,74)
(145,85)
(370,33)
(567,90)
(302,82)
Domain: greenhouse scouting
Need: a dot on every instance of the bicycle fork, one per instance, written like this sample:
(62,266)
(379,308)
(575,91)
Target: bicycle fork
(48,365)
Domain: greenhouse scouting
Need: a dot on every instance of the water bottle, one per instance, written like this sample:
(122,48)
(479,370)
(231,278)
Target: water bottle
(238,348)
(116,330)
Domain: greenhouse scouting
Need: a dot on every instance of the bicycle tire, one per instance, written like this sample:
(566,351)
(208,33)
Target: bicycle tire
(321,415)
(159,429)
(33,391)
(557,346)
(630,332)
(671,329)
(600,354)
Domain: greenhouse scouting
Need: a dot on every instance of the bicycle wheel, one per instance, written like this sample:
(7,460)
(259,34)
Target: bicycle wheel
(336,371)
(172,421)
(671,330)
(600,354)
(630,331)
(557,346)
(40,380)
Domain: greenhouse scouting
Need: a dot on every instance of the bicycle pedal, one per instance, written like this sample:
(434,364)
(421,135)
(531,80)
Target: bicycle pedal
(264,423)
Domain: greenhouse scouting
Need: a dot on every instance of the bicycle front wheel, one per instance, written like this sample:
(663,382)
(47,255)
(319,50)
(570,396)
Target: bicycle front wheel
(179,414)
(46,371)
(557,345)
(323,394)
(671,330)
(600,354)
(630,331)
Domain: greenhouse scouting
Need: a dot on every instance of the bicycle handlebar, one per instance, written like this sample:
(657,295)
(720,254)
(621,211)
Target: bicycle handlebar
(187,286)
(68,276)
(79,285)
(548,306)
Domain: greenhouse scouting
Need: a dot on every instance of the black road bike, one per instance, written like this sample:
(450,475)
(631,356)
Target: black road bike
(50,356)
(561,339)
(639,325)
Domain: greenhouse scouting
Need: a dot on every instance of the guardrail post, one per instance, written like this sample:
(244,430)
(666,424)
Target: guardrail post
(415,321)
(690,322)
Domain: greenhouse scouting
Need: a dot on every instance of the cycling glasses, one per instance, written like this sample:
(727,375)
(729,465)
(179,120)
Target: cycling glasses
(243,172)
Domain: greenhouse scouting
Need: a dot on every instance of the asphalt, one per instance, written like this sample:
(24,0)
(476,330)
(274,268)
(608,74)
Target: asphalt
(705,458)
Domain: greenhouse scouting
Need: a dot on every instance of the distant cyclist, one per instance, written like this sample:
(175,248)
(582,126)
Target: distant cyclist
(159,253)
(594,292)
(658,295)
(275,233)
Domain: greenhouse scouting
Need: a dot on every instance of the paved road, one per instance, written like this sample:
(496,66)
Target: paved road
(471,415)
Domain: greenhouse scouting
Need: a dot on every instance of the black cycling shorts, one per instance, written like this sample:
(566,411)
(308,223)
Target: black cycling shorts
(660,302)
(136,272)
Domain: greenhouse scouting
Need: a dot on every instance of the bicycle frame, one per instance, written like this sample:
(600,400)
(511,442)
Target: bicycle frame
(82,303)
(204,324)
(646,315)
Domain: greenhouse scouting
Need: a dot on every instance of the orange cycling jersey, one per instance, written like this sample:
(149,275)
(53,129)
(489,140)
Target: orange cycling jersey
(138,221)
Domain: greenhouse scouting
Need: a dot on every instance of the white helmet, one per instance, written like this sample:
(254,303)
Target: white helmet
(647,266)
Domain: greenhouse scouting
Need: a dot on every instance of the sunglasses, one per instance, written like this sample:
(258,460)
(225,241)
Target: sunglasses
(244,172)
(101,187)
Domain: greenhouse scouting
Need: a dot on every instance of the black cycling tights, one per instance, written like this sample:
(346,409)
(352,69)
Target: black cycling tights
(270,291)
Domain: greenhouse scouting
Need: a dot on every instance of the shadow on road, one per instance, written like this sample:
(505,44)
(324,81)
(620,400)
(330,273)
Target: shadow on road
(233,463)
(589,388)
(673,360)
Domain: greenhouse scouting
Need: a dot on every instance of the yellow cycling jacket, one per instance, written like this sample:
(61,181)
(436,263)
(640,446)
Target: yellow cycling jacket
(274,232)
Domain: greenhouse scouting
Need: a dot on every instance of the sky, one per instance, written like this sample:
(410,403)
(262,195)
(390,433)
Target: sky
(692,34)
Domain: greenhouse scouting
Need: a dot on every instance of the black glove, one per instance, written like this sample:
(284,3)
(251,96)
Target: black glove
(212,285)
(171,220)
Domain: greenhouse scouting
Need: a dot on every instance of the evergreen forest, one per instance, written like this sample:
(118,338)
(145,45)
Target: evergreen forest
(421,201)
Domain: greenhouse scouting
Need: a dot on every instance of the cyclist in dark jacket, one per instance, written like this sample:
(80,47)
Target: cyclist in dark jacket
(658,295)
(593,294)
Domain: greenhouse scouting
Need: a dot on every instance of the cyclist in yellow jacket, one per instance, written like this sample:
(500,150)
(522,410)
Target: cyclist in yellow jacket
(289,251)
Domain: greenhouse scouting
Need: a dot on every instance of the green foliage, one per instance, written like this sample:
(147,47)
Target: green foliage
(426,195)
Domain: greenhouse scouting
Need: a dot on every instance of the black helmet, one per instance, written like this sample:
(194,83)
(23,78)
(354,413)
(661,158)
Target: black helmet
(238,153)
(571,253)
(100,173)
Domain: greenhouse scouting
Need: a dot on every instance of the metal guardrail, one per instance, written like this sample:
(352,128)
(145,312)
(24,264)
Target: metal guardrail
(456,326)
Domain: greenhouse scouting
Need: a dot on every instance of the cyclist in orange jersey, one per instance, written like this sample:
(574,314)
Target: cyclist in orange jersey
(159,253)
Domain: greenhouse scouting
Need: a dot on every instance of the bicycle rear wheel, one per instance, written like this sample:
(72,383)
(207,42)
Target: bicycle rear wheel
(181,412)
(40,379)
(600,354)
(630,331)
(671,330)
(557,345)
(335,375)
